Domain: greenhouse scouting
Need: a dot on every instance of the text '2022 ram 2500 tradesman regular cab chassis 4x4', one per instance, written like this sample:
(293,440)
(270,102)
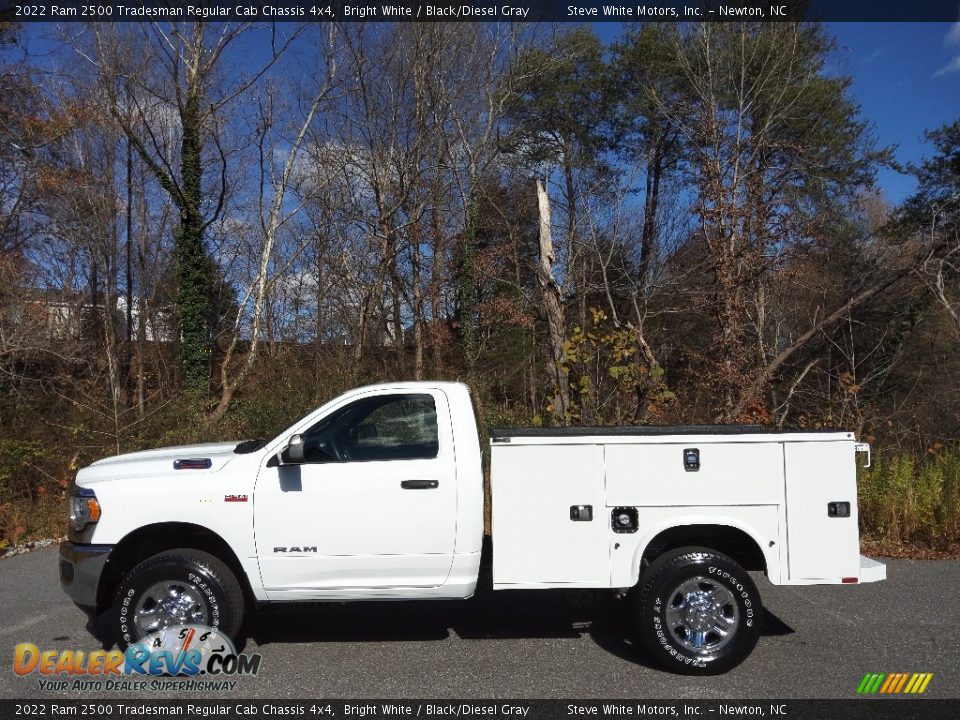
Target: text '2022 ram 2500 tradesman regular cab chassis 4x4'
(379,495)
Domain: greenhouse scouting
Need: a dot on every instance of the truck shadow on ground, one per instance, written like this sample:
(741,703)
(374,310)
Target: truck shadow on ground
(516,614)
(505,615)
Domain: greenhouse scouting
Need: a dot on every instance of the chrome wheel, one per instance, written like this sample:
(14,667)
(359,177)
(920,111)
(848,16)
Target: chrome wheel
(702,615)
(171,602)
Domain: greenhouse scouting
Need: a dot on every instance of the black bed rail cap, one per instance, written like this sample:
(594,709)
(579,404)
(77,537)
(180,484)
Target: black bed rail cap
(501,432)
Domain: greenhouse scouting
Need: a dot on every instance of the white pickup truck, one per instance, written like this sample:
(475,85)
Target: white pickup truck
(379,495)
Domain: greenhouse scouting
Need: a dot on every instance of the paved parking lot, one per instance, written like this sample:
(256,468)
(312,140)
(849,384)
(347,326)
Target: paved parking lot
(818,642)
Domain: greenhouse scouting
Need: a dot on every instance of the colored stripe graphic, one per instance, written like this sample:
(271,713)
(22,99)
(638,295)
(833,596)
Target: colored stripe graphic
(919,683)
(870,683)
(894,683)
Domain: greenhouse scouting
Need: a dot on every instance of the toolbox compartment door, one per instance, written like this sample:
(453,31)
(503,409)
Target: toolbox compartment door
(536,541)
(822,545)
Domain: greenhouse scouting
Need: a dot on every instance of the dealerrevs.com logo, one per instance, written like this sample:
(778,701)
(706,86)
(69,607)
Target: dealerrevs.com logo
(187,657)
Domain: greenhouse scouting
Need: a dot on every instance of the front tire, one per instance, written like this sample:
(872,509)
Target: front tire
(177,587)
(699,612)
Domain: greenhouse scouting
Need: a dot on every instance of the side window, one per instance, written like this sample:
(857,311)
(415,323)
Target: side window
(385,427)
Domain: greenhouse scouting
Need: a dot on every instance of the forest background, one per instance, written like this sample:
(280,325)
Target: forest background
(207,230)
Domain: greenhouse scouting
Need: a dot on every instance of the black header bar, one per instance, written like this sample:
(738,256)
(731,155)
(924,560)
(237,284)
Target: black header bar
(68,11)
(231,709)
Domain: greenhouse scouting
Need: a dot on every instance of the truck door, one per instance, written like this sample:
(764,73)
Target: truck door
(373,506)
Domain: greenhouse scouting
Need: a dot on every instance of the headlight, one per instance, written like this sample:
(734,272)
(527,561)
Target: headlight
(84,508)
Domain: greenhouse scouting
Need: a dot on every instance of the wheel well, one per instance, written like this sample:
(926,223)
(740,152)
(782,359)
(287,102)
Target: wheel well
(731,541)
(150,540)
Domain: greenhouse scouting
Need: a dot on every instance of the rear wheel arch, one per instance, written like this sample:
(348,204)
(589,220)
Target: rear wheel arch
(150,540)
(736,543)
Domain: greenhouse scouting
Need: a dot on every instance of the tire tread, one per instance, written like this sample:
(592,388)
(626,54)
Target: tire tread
(231,598)
(670,562)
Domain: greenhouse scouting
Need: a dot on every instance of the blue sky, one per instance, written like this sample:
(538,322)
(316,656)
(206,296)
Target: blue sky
(906,78)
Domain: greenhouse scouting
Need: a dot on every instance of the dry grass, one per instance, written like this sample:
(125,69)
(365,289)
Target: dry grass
(912,505)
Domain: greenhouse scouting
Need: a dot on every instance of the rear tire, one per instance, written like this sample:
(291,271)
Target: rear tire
(699,612)
(206,592)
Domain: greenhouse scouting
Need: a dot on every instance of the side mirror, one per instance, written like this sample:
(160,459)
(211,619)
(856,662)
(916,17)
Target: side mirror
(293,455)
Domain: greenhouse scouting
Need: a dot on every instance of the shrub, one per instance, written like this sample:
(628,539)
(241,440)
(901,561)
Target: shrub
(903,499)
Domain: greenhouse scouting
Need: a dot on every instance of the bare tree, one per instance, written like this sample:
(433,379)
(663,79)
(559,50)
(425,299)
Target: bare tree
(762,121)
(550,293)
(155,75)
(274,215)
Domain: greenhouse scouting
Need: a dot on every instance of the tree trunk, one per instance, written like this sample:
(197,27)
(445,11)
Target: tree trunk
(436,291)
(320,315)
(193,301)
(574,260)
(550,293)
(128,334)
(417,305)
(650,204)
(397,319)
(143,316)
(468,292)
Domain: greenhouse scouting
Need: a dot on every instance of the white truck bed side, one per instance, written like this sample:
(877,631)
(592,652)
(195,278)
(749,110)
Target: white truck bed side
(774,487)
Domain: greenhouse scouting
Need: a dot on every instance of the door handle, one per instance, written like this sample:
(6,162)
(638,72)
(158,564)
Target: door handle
(419,484)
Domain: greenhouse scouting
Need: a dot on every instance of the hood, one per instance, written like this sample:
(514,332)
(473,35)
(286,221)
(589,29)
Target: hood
(151,463)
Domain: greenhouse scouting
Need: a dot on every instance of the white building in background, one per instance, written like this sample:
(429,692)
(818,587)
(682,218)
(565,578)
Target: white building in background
(63,315)
(157,328)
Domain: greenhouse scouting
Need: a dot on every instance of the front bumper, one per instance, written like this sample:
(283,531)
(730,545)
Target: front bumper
(80,569)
